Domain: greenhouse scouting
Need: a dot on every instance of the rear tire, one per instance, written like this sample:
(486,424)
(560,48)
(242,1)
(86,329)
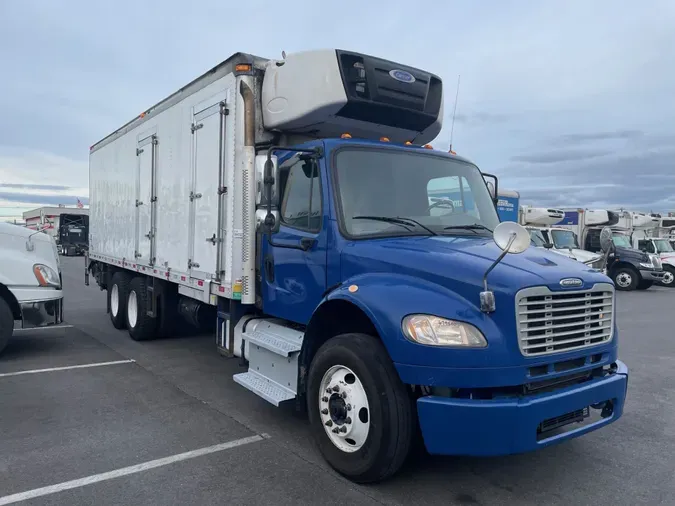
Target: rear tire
(6,324)
(625,278)
(117,297)
(371,408)
(669,279)
(141,326)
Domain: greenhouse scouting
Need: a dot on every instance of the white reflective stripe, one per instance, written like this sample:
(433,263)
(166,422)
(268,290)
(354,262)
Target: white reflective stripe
(125,471)
(48,327)
(66,368)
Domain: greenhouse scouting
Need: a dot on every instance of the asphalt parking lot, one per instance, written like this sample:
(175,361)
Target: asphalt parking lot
(89,416)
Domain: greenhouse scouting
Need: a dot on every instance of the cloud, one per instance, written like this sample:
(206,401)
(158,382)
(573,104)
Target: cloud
(554,97)
(600,136)
(560,156)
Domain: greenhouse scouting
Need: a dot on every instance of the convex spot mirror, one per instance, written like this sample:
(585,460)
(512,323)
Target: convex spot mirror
(511,237)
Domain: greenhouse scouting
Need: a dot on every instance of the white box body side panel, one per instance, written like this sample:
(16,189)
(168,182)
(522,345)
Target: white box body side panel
(184,162)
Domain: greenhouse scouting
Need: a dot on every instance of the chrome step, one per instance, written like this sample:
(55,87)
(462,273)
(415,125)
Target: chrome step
(264,387)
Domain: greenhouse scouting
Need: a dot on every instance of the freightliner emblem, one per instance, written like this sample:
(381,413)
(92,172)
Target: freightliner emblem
(567,282)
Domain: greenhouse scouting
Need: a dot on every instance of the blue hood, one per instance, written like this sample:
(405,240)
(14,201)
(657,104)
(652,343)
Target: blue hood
(459,263)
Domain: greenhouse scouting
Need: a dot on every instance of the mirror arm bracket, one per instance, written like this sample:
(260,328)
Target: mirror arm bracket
(487,297)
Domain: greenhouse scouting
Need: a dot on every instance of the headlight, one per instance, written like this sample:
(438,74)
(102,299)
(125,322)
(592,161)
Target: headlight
(46,276)
(435,331)
(647,265)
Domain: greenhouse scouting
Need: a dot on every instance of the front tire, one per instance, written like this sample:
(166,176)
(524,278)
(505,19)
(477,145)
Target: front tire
(625,278)
(6,324)
(141,326)
(669,278)
(364,427)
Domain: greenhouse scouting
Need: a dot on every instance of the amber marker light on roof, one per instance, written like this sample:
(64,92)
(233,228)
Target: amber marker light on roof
(345,136)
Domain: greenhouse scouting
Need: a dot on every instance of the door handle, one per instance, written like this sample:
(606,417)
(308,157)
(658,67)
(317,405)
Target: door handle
(307,242)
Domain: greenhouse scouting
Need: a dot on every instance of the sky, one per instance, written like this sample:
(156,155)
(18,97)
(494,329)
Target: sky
(569,102)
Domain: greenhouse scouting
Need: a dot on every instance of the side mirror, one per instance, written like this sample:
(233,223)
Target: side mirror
(260,161)
(548,245)
(493,186)
(491,189)
(606,243)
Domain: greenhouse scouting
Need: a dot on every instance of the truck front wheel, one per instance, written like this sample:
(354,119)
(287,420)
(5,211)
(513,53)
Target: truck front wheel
(669,278)
(6,324)
(117,297)
(625,278)
(141,326)
(361,414)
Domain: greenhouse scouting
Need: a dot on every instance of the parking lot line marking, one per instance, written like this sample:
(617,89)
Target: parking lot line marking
(125,471)
(48,327)
(66,368)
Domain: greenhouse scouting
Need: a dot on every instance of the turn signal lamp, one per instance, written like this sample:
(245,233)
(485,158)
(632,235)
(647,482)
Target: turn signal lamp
(242,67)
(384,139)
(428,146)
(408,143)
(345,136)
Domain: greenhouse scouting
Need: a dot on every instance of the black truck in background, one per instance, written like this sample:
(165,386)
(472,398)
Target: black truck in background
(73,234)
(629,268)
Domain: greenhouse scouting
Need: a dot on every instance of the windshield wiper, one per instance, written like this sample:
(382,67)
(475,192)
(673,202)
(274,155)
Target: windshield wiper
(473,227)
(404,222)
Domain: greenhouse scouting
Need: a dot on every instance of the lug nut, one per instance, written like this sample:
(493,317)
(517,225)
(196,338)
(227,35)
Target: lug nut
(328,390)
(324,398)
(348,420)
(336,430)
(336,388)
(349,407)
(324,411)
(329,423)
(343,429)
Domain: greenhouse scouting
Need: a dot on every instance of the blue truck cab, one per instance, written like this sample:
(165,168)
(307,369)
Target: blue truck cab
(386,282)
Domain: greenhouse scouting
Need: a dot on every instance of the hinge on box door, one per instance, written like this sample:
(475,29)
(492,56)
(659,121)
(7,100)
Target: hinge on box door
(137,254)
(222,190)
(224,110)
(194,195)
(192,264)
(150,235)
(154,199)
(154,140)
(138,151)
(195,126)
(138,203)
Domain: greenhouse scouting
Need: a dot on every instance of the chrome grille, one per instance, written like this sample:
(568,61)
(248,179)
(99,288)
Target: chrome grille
(555,322)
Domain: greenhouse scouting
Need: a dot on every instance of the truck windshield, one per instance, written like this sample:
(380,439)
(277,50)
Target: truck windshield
(621,241)
(564,239)
(385,192)
(663,246)
(537,238)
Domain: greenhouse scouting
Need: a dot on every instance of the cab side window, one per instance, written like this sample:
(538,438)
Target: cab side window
(301,191)
(646,246)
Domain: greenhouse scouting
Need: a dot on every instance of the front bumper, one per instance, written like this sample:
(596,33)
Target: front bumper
(452,426)
(652,275)
(41,313)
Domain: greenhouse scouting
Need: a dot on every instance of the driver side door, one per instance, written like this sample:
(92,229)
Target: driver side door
(294,279)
